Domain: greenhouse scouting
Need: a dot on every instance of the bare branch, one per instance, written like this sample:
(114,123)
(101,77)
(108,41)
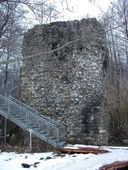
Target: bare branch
(41,53)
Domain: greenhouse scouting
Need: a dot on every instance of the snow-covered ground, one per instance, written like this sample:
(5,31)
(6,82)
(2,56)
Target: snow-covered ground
(53,161)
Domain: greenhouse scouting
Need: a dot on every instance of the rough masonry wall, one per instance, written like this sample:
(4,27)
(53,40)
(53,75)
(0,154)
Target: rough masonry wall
(64,80)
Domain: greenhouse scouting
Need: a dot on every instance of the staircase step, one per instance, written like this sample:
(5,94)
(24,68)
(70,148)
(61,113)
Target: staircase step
(33,127)
(21,120)
(4,108)
(62,143)
(2,104)
(18,107)
(40,131)
(16,116)
(55,140)
(52,138)
(4,111)
(36,129)
(31,124)
(44,134)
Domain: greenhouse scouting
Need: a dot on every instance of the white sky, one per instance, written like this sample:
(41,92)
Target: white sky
(78,9)
(82,8)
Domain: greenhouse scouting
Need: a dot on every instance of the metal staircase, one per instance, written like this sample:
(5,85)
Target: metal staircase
(29,119)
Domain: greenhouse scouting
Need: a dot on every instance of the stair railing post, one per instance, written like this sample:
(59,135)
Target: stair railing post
(27,119)
(47,131)
(30,139)
(17,91)
(20,113)
(5,131)
(9,108)
(57,134)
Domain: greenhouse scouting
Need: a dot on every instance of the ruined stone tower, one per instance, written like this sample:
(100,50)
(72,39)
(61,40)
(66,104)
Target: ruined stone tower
(64,66)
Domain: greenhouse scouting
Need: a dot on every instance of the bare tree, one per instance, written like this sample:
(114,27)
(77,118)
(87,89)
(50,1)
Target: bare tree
(12,13)
(116,26)
(10,32)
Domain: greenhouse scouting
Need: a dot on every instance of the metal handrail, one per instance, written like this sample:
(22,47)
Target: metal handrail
(35,112)
(9,87)
(31,119)
(27,111)
(23,104)
(27,117)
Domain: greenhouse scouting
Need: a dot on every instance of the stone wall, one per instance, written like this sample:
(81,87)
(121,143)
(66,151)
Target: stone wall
(64,78)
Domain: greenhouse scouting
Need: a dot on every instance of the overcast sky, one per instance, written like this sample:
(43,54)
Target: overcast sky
(77,9)
(82,8)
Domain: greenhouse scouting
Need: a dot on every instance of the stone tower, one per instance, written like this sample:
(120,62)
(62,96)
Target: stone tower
(64,67)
